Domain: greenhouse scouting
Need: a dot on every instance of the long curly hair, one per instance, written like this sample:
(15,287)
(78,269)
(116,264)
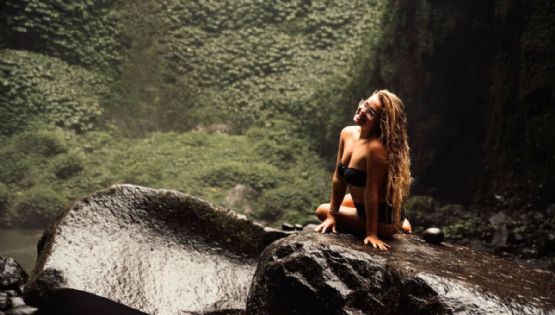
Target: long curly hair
(394,136)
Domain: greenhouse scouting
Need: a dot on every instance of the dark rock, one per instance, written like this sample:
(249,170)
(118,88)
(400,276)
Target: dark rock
(39,289)
(12,275)
(11,293)
(157,251)
(16,301)
(75,302)
(433,235)
(5,302)
(287,227)
(22,310)
(221,312)
(500,234)
(271,234)
(529,252)
(313,273)
(546,245)
(298,227)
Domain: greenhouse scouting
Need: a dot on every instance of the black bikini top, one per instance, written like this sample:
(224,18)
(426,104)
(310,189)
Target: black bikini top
(352,175)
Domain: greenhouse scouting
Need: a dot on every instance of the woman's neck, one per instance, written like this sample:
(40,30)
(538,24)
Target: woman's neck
(367,133)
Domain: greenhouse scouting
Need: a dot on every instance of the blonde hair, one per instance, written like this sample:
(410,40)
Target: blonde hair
(394,136)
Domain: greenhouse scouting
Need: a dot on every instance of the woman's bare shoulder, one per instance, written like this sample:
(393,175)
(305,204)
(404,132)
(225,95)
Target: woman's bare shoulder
(350,131)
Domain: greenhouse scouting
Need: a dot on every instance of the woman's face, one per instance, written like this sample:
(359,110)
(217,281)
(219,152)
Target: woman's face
(368,111)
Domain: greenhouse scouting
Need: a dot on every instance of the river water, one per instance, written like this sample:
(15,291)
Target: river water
(20,244)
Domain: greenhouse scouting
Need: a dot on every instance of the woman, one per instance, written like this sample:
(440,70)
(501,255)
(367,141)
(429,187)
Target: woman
(374,163)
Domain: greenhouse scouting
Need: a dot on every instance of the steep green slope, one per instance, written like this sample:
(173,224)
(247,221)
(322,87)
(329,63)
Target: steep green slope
(265,174)
(283,77)
(241,63)
(39,88)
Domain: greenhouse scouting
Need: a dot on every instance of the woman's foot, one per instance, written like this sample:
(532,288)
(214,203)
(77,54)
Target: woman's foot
(406,227)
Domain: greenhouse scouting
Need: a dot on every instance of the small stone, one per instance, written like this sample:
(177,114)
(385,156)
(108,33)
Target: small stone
(22,310)
(298,227)
(11,293)
(12,274)
(529,253)
(498,219)
(505,254)
(433,235)
(17,300)
(546,244)
(5,302)
(538,216)
(287,227)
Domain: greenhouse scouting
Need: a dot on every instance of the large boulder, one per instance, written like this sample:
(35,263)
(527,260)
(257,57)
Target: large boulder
(312,273)
(157,251)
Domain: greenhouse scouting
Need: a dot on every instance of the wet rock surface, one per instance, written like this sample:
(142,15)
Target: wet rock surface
(12,279)
(157,251)
(311,273)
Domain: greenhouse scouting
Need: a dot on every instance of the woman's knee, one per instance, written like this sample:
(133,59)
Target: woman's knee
(322,211)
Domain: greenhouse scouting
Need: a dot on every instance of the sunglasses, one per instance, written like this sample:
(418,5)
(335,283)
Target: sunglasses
(369,109)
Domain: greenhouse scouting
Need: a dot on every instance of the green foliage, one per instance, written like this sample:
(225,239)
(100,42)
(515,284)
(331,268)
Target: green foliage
(294,203)
(3,194)
(38,88)
(285,74)
(83,32)
(14,166)
(418,207)
(468,227)
(207,165)
(37,207)
(197,63)
(40,142)
(259,176)
(3,197)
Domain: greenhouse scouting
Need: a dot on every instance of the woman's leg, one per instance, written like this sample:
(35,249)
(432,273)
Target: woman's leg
(321,211)
(347,218)
(349,221)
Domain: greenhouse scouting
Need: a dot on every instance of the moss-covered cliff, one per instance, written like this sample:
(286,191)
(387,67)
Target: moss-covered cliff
(241,102)
(124,71)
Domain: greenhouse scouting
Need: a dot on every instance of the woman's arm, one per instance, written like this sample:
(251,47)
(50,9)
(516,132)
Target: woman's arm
(339,187)
(376,166)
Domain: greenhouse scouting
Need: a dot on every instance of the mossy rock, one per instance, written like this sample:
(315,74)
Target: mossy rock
(66,166)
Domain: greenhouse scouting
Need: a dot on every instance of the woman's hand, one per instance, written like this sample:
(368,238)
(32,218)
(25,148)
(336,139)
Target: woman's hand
(328,223)
(376,242)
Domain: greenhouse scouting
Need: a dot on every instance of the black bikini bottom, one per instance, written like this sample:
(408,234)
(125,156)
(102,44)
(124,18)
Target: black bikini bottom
(385,212)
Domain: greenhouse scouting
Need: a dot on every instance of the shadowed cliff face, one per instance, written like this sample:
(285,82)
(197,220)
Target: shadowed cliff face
(478,82)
